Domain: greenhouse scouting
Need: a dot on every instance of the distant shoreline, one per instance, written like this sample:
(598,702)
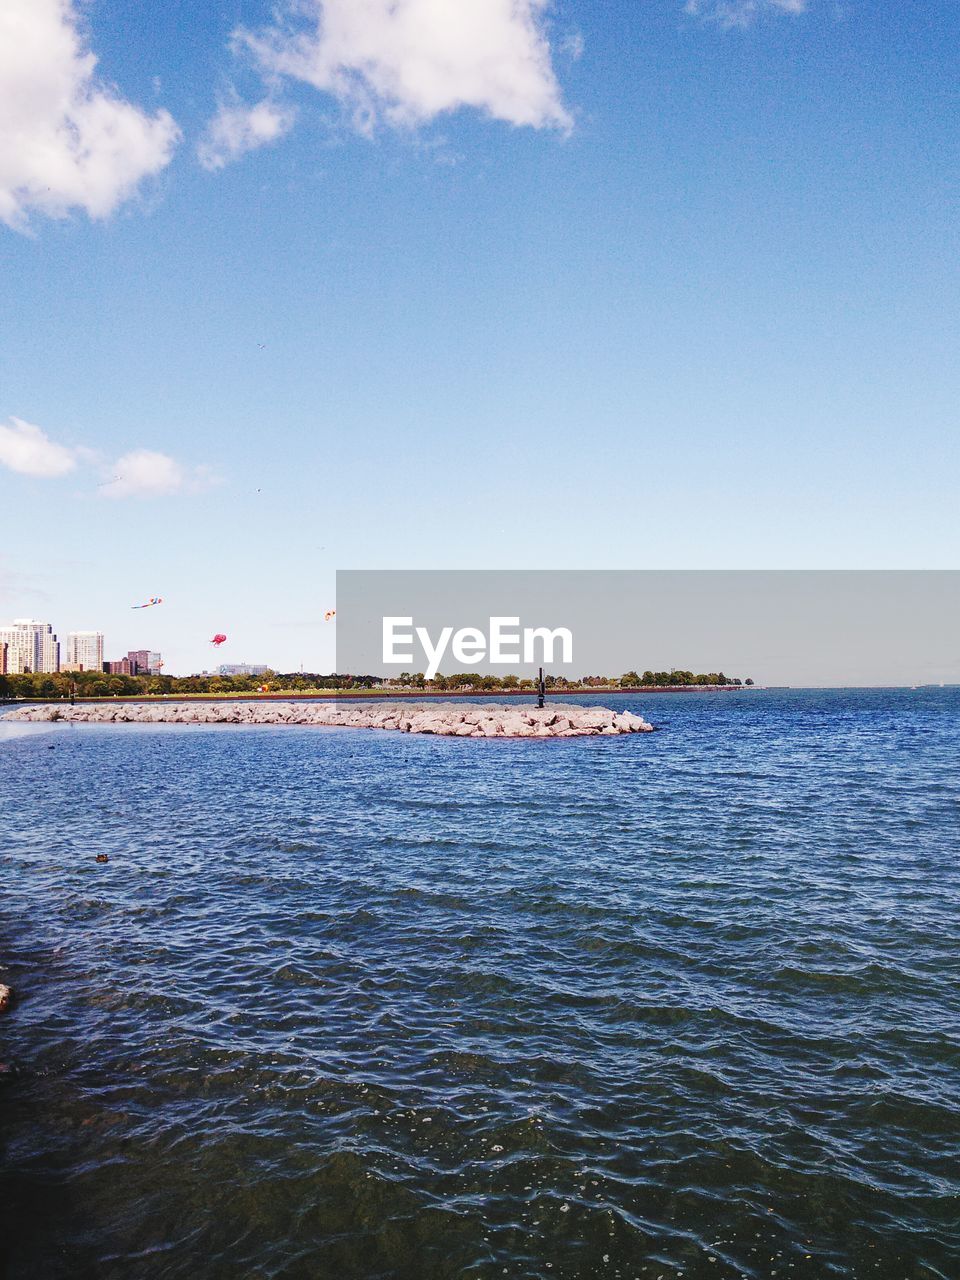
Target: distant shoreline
(382,695)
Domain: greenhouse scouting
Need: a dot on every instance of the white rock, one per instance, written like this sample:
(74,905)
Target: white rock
(443,719)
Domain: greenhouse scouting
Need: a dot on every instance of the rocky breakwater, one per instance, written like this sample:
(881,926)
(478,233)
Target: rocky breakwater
(451,720)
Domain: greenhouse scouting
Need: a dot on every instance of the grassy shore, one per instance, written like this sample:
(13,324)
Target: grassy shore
(382,695)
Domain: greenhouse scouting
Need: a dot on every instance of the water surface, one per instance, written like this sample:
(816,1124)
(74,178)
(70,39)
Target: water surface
(354,1004)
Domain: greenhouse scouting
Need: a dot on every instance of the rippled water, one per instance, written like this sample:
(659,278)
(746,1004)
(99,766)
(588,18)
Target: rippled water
(346,1004)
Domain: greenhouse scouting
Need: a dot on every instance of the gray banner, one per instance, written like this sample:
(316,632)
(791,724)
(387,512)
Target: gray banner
(784,628)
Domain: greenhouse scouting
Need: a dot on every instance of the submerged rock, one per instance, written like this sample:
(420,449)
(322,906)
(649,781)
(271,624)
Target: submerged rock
(442,719)
(6,997)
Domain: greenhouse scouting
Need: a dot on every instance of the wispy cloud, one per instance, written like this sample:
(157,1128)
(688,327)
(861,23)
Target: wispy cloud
(67,140)
(30,451)
(238,128)
(741,13)
(573,45)
(16,586)
(140,473)
(405,62)
(144,473)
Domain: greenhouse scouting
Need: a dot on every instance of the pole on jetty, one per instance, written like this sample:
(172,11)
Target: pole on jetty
(541,689)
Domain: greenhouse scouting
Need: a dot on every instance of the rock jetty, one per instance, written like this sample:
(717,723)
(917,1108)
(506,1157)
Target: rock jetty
(445,719)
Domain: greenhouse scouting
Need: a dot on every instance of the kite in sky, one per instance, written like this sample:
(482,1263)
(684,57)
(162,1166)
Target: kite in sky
(218,639)
(330,615)
(153,600)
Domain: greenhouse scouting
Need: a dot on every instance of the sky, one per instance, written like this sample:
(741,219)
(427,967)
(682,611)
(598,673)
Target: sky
(472,284)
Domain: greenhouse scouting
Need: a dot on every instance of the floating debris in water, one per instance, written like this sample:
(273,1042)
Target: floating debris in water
(102,857)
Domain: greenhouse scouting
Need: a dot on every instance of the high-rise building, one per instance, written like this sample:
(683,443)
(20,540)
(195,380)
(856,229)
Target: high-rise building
(144,662)
(3,657)
(85,650)
(10,640)
(31,646)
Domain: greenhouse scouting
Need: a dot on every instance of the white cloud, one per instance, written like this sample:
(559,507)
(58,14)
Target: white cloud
(740,13)
(144,473)
(67,140)
(27,449)
(237,128)
(408,61)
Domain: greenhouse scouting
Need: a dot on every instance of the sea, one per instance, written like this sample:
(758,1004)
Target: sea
(349,1004)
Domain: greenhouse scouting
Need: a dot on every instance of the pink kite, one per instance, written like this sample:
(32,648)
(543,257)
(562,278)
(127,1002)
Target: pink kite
(218,639)
(153,600)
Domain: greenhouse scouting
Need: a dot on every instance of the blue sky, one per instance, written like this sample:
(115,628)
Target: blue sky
(689,302)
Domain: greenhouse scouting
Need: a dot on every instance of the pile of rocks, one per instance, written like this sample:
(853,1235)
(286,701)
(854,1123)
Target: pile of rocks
(445,719)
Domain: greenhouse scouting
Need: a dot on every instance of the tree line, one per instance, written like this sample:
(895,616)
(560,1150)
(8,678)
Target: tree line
(97,684)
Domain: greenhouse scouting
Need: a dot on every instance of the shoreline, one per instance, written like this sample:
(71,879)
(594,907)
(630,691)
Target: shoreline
(377,695)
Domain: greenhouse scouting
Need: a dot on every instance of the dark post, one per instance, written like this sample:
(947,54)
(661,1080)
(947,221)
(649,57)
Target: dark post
(541,689)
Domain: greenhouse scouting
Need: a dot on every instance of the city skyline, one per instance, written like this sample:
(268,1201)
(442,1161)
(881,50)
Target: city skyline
(30,645)
(33,645)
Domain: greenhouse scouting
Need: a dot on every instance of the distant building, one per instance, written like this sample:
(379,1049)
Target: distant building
(84,651)
(144,662)
(242,669)
(31,646)
(119,667)
(10,642)
(3,657)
